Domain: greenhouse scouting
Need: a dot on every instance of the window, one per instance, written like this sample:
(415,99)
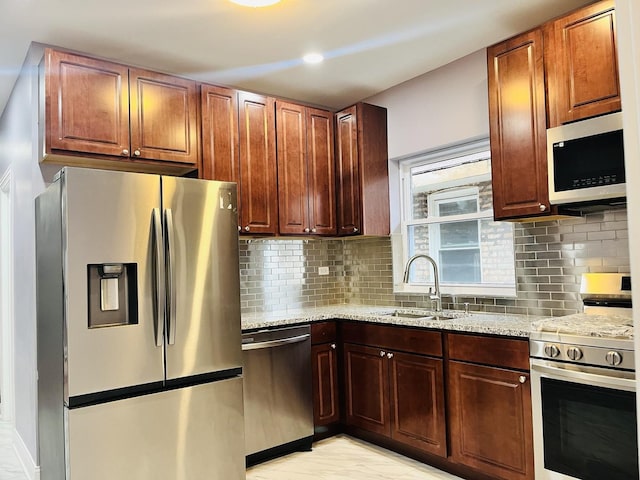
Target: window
(448,215)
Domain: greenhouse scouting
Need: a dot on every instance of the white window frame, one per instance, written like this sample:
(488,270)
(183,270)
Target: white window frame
(434,200)
(448,157)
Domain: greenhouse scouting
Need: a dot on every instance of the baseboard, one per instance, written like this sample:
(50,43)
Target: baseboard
(24,457)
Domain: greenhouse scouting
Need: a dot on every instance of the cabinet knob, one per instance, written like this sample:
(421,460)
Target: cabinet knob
(313,230)
(382,354)
(389,355)
(355,229)
(306,230)
(543,207)
(333,346)
(137,152)
(125,151)
(522,379)
(239,228)
(246,229)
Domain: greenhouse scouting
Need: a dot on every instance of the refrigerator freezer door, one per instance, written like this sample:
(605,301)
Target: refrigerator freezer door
(203,285)
(193,433)
(107,221)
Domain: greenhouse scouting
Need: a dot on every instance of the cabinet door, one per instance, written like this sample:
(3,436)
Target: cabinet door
(163,117)
(87,105)
(490,420)
(582,65)
(293,204)
(367,388)
(258,180)
(325,384)
(517,122)
(347,166)
(321,172)
(417,402)
(219,134)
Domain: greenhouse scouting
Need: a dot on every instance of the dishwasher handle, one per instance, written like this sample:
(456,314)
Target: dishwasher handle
(275,343)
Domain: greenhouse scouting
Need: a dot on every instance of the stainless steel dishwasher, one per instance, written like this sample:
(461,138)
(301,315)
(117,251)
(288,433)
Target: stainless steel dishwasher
(278,404)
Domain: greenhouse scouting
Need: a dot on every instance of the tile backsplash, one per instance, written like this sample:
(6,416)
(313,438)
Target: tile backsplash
(277,274)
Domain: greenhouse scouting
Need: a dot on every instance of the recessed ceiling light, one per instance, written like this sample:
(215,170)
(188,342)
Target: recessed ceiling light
(313,58)
(255,3)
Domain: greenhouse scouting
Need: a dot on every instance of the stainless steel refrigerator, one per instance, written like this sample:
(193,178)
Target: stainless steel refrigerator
(139,342)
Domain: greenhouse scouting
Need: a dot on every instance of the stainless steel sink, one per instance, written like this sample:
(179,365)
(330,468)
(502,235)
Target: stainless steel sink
(406,315)
(420,315)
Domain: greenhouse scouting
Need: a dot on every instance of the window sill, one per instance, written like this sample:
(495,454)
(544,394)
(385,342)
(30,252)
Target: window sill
(467,290)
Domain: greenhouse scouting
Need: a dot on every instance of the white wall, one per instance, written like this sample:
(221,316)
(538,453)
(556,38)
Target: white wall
(18,126)
(441,107)
(447,105)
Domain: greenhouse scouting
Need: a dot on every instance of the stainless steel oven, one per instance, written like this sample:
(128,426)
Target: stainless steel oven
(583,388)
(584,417)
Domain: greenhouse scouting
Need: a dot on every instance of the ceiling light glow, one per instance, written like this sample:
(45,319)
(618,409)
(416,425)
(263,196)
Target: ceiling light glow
(255,3)
(313,58)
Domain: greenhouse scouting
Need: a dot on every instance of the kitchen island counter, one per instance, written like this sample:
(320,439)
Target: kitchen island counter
(486,323)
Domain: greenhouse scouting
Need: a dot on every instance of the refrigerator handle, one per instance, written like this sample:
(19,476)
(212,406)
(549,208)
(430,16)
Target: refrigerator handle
(160,277)
(171,284)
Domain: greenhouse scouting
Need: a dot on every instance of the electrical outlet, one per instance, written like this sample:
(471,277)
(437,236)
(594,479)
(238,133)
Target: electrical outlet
(323,270)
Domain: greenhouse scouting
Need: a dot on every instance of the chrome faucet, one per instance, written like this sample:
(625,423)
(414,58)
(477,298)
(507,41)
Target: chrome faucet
(435,296)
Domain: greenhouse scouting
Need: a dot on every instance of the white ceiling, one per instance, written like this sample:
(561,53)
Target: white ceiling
(369,45)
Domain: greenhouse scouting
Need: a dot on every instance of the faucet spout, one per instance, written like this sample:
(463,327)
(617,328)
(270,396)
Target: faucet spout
(436,294)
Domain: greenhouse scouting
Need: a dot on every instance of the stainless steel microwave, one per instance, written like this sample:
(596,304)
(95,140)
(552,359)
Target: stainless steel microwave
(586,161)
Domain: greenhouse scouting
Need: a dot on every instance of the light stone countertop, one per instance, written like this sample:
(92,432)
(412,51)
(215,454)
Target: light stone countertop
(488,323)
(611,326)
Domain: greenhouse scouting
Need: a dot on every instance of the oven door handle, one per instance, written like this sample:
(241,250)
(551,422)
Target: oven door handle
(596,379)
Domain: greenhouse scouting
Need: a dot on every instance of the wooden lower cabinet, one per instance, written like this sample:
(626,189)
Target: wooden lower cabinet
(490,420)
(395,394)
(324,363)
(417,402)
(367,388)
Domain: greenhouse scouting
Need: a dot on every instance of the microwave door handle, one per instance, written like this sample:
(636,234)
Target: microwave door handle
(171,284)
(160,293)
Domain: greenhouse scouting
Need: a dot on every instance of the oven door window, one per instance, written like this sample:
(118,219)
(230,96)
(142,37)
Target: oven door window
(589,432)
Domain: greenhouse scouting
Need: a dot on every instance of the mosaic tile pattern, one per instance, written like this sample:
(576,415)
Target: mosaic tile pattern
(550,256)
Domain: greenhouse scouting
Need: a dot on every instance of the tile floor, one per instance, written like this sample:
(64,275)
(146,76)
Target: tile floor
(335,458)
(10,467)
(343,457)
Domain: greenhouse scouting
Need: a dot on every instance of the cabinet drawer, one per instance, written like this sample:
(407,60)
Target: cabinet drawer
(405,339)
(501,352)
(323,332)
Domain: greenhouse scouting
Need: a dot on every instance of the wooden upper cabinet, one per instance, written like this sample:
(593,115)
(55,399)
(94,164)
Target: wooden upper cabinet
(582,65)
(321,175)
(102,114)
(291,137)
(517,123)
(220,158)
(258,177)
(347,163)
(362,170)
(87,105)
(163,113)
(490,420)
(306,178)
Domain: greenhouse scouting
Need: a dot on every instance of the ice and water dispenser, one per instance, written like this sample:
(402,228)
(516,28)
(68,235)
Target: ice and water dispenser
(113,294)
